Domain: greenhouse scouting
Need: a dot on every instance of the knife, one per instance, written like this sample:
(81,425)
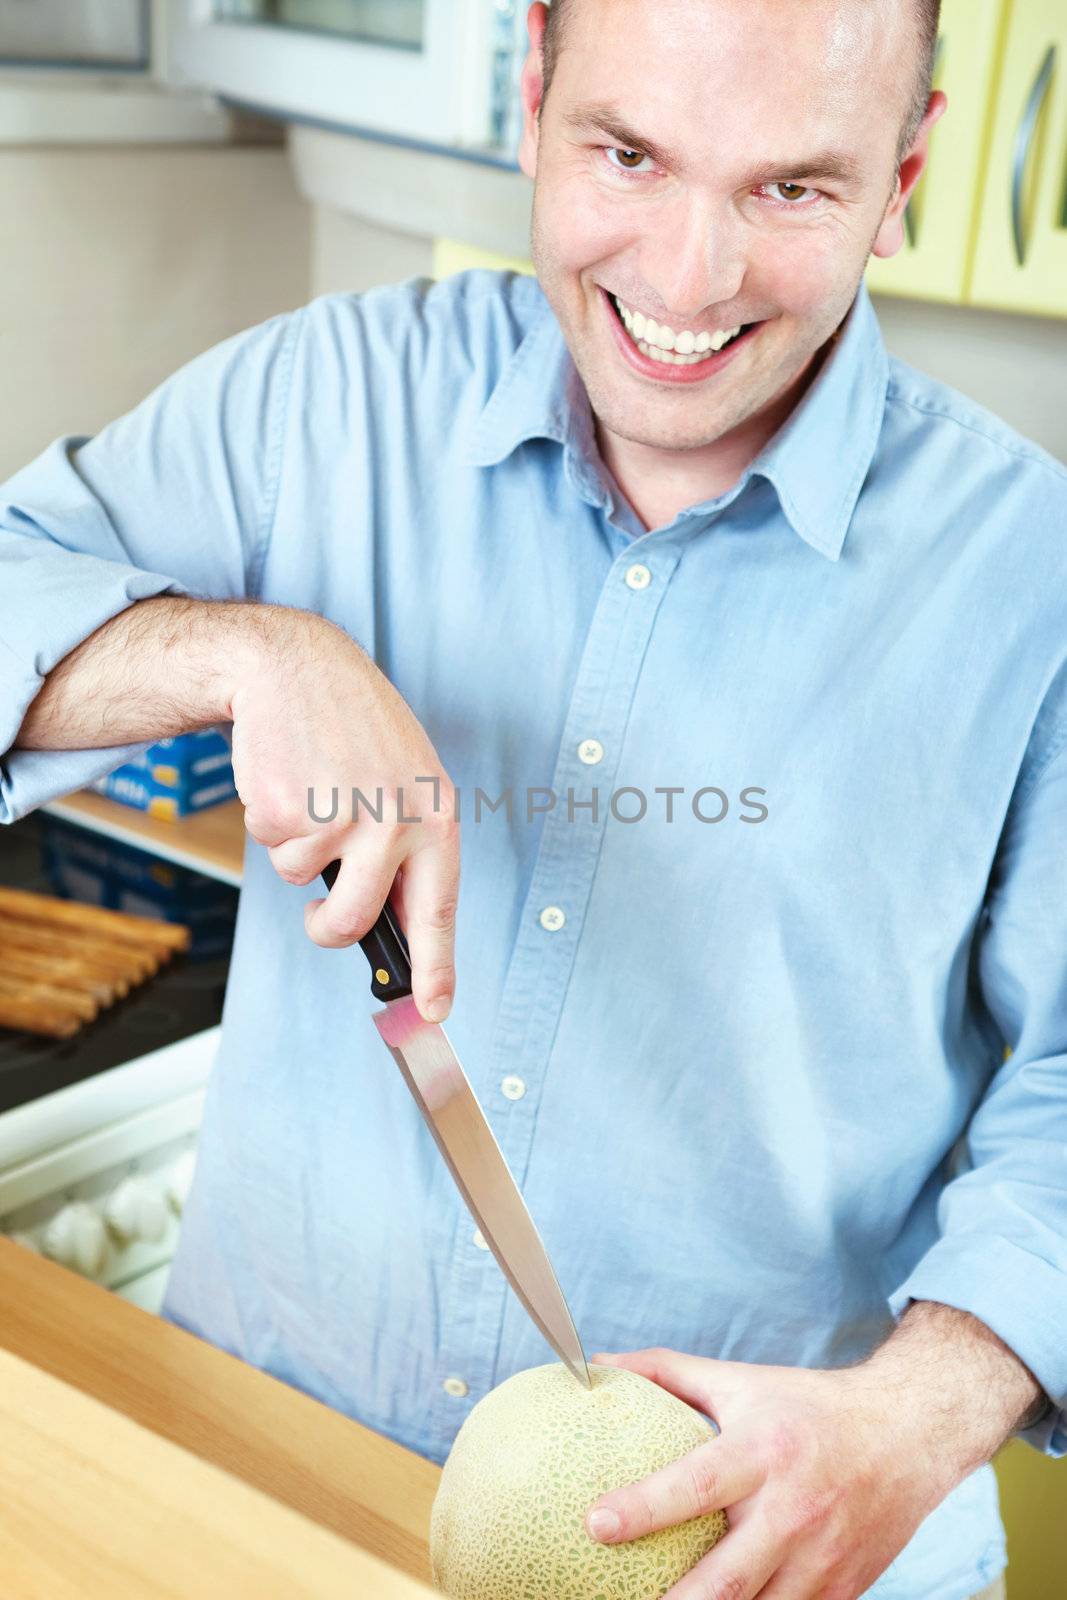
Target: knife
(451,1111)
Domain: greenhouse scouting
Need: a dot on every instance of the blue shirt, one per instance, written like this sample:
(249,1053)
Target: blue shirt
(747,1066)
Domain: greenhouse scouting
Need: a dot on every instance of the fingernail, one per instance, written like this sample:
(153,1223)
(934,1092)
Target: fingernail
(438,1009)
(602,1356)
(603,1524)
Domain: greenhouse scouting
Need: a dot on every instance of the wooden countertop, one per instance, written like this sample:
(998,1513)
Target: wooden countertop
(141,1462)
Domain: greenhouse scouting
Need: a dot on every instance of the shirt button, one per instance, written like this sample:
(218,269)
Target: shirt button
(638,576)
(455,1386)
(590,751)
(479,1238)
(513,1087)
(552,919)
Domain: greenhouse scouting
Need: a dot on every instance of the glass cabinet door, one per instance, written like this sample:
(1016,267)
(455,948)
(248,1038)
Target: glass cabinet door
(74,33)
(443,72)
(395,22)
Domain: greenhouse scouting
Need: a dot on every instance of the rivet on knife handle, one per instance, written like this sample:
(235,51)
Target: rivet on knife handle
(385,947)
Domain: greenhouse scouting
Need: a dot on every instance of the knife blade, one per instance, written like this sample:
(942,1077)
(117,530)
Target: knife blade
(450,1108)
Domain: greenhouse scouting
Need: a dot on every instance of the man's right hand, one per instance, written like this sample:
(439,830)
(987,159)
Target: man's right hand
(311,711)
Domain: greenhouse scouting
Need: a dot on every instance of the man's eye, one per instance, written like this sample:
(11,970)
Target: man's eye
(793,193)
(625,160)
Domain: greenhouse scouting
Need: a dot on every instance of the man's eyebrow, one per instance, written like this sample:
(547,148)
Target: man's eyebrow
(598,116)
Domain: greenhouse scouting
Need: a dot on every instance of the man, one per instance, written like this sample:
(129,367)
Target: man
(747,1064)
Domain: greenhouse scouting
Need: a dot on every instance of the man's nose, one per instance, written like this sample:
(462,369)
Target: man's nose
(692,258)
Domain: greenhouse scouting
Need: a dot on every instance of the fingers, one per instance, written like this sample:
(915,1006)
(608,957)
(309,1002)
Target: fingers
(739,1567)
(709,1478)
(431,890)
(354,903)
(265,825)
(299,861)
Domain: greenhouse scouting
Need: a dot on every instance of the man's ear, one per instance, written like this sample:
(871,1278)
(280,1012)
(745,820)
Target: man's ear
(532,86)
(890,236)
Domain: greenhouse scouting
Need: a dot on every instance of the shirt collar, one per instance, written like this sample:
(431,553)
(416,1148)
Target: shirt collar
(817,461)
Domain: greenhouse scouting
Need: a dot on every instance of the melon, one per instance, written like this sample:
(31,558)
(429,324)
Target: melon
(508,1519)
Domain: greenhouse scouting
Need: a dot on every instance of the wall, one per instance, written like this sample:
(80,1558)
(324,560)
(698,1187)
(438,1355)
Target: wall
(349,253)
(119,264)
(1015,365)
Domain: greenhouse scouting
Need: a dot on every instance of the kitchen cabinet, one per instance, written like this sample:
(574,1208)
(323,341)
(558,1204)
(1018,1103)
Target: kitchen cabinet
(92,72)
(394,22)
(111,34)
(1033,1496)
(1020,259)
(440,72)
(940,220)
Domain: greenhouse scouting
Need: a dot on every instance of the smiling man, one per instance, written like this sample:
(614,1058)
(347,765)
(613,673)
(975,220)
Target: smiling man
(710,181)
(766,997)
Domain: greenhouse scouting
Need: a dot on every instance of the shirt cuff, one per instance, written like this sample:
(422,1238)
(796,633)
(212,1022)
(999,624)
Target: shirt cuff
(29,778)
(1022,1297)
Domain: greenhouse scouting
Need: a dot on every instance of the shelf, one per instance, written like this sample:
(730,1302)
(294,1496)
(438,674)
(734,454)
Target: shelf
(211,841)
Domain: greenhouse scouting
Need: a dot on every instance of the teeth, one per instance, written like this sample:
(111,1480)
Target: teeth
(663,344)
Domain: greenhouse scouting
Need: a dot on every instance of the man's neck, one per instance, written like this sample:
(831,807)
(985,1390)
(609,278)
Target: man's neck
(661,483)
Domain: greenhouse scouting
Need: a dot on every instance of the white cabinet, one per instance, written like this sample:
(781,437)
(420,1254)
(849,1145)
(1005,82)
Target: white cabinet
(77,72)
(439,71)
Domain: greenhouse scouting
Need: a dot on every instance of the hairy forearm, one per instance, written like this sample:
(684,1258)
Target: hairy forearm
(162,667)
(964,1380)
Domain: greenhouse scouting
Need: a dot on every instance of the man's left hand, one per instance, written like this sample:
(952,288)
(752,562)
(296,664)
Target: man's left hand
(824,1476)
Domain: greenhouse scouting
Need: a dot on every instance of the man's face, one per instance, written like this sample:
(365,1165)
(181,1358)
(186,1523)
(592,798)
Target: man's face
(680,169)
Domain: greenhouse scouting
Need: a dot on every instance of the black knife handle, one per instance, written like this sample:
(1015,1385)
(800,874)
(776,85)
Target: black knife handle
(385,947)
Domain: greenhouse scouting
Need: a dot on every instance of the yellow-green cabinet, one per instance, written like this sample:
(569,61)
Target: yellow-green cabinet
(1020,260)
(942,213)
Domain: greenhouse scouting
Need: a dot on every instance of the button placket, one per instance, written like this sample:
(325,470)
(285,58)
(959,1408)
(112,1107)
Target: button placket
(535,986)
(543,956)
(603,692)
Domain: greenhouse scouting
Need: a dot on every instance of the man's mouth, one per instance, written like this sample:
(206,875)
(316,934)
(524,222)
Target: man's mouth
(672,346)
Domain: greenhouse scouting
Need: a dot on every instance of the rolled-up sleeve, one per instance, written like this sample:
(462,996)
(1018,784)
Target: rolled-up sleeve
(1002,1250)
(177,497)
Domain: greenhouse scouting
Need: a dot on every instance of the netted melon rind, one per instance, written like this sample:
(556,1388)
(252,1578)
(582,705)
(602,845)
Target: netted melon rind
(508,1520)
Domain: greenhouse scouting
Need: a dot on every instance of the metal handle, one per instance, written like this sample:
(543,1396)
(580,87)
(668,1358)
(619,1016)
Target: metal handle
(385,947)
(1023,140)
(911,228)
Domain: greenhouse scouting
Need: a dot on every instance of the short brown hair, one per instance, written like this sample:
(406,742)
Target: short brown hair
(928,19)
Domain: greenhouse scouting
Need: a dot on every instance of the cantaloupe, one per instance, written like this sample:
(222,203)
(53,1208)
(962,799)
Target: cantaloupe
(508,1520)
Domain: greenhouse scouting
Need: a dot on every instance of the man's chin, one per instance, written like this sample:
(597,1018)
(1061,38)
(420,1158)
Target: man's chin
(704,425)
(662,439)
